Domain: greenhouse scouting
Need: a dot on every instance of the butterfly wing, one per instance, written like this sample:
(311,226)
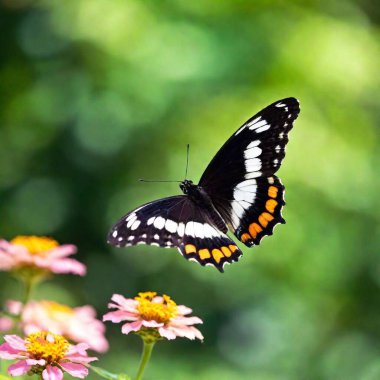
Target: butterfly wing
(176,222)
(240,179)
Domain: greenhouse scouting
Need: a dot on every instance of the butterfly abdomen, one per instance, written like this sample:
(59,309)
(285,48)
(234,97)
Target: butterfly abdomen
(200,197)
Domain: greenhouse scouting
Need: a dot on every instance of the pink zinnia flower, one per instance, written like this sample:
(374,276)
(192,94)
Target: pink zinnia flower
(39,252)
(78,324)
(44,353)
(149,312)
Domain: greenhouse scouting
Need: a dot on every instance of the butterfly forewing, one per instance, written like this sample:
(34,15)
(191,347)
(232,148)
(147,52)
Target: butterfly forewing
(240,179)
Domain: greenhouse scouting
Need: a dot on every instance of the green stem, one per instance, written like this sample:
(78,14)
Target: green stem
(147,351)
(29,284)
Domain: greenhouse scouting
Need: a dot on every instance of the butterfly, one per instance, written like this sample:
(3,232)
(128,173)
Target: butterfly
(238,191)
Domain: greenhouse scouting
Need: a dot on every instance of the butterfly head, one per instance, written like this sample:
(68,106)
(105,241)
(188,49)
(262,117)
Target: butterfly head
(187,186)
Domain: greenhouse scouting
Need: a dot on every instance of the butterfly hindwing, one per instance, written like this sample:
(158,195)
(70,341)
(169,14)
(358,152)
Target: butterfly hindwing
(176,222)
(260,218)
(216,250)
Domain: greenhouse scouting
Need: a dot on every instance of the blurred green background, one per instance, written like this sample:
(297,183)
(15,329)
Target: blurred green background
(97,94)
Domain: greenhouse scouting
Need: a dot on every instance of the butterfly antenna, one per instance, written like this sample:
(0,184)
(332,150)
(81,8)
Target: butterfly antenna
(150,180)
(187,159)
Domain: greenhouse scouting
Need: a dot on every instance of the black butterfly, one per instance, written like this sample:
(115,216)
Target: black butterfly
(238,191)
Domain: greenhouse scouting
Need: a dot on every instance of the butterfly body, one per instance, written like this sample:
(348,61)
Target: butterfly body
(200,197)
(238,191)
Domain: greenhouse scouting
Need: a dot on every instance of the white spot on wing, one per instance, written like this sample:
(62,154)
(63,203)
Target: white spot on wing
(181,229)
(263,128)
(253,144)
(259,124)
(135,225)
(254,121)
(171,226)
(131,221)
(253,175)
(150,220)
(189,229)
(114,234)
(238,213)
(159,222)
(252,152)
(156,236)
(198,230)
(253,165)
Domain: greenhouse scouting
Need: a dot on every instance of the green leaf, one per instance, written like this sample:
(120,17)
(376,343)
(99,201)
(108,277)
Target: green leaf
(108,375)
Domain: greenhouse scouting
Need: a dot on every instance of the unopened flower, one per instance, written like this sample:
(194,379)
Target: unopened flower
(47,354)
(12,309)
(154,316)
(28,253)
(6,324)
(78,324)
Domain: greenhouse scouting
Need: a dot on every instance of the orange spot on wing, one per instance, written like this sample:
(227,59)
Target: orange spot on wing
(254,229)
(271,205)
(233,248)
(263,221)
(204,254)
(226,251)
(190,248)
(267,216)
(245,237)
(272,191)
(217,255)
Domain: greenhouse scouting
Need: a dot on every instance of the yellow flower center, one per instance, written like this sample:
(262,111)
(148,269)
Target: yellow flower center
(35,245)
(161,311)
(54,309)
(48,346)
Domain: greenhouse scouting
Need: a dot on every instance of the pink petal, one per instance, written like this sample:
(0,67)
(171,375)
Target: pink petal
(80,358)
(188,321)
(15,342)
(18,368)
(68,266)
(152,324)
(184,310)
(134,326)
(62,251)
(40,362)
(74,369)
(78,348)
(127,304)
(8,352)
(119,316)
(166,333)
(52,373)
(13,307)
(5,324)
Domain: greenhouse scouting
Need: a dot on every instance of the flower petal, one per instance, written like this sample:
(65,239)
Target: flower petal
(119,316)
(75,369)
(40,362)
(52,373)
(15,342)
(134,326)
(152,323)
(167,333)
(68,266)
(8,352)
(5,324)
(18,368)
